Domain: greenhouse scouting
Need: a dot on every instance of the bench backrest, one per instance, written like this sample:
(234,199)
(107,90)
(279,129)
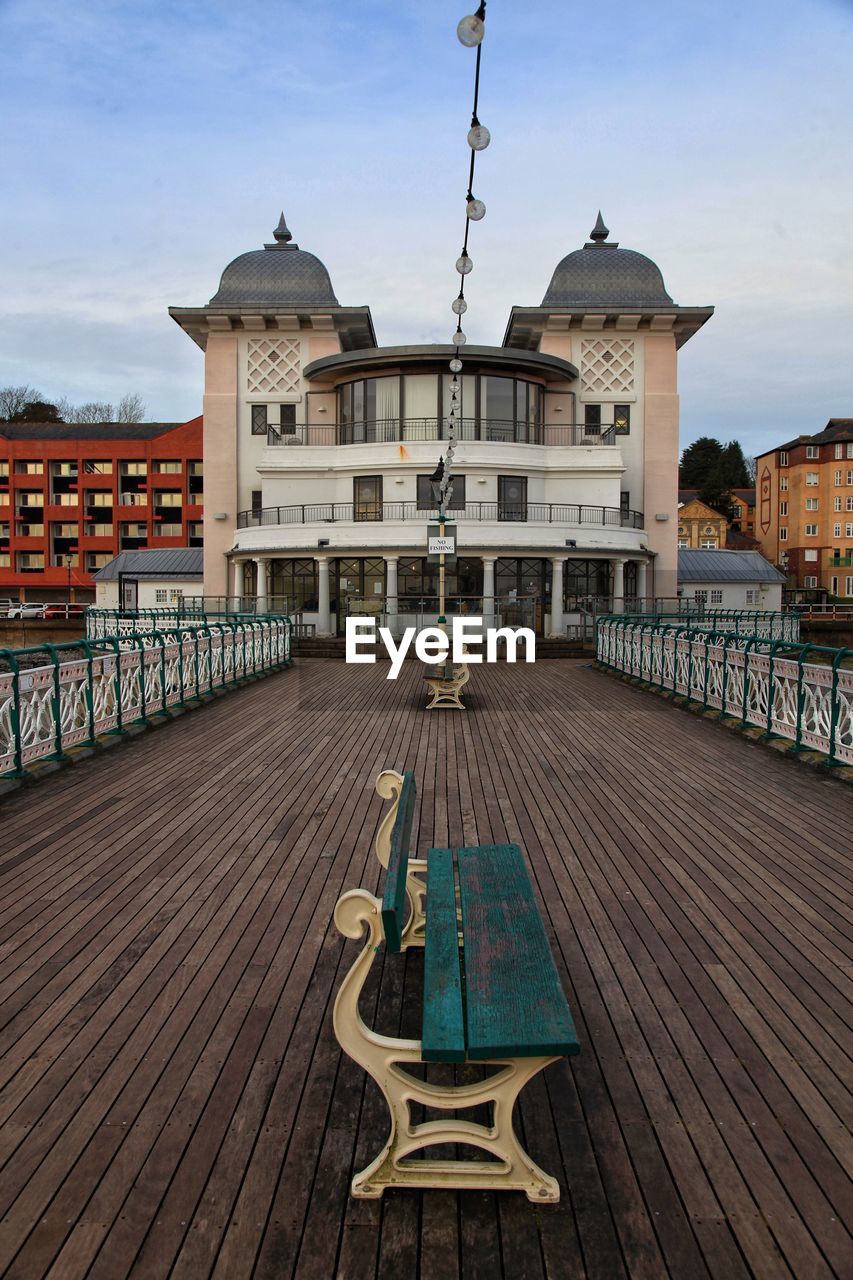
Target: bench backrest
(394,898)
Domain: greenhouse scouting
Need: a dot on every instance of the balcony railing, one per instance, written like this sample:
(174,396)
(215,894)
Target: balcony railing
(393,430)
(525,512)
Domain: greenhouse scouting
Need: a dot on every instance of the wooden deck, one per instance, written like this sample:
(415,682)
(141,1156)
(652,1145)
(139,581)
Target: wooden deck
(174,1102)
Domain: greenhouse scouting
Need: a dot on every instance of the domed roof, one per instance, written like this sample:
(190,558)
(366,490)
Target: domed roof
(279,275)
(602,274)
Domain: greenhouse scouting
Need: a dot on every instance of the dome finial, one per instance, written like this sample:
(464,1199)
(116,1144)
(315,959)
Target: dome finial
(599,232)
(283,236)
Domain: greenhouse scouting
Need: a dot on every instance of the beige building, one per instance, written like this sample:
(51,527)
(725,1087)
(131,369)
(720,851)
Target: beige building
(319,444)
(804,509)
(700,526)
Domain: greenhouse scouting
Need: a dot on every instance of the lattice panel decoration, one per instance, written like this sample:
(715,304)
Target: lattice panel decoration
(607,365)
(273,366)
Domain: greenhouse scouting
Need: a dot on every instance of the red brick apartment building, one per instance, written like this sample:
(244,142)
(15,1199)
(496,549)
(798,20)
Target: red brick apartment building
(73,496)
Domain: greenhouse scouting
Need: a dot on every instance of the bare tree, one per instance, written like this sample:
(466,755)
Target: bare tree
(91,411)
(13,400)
(751,468)
(131,408)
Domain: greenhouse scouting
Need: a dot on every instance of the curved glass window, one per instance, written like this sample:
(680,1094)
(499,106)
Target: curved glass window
(415,406)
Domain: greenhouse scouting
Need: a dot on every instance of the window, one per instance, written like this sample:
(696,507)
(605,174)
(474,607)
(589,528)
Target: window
(848,586)
(167,531)
(592,419)
(259,419)
(836,531)
(811,504)
(708,544)
(160,595)
(134,468)
(783,458)
(783,484)
(812,451)
(97,559)
(622,419)
(96,468)
(367,497)
(783,535)
(839,451)
(848,504)
(783,508)
(811,530)
(512,497)
(812,478)
(850,450)
(751,596)
(30,561)
(700,597)
(716,597)
(625,502)
(167,498)
(810,554)
(369,410)
(94,530)
(426,501)
(5,560)
(837,476)
(293,584)
(810,580)
(837,502)
(287,419)
(257,500)
(29,468)
(684,542)
(850,476)
(168,468)
(848,529)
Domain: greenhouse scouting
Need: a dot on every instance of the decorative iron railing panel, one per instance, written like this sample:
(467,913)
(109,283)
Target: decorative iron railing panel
(124,676)
(763,677)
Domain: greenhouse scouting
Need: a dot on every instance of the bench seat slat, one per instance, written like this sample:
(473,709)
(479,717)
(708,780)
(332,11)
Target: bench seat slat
(443,1032)
(515,1004)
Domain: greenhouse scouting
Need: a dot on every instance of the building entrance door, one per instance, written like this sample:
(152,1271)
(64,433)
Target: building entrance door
(359,588)
(523,588)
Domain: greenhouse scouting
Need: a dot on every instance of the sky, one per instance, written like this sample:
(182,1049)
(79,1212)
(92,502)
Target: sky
(145,145)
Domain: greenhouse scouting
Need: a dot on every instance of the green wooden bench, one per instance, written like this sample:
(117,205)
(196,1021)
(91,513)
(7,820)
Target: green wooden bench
(492,996)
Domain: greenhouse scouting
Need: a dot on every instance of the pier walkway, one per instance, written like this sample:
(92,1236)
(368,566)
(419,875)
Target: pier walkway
(172,1098)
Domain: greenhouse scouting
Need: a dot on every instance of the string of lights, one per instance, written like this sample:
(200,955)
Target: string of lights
(470,32)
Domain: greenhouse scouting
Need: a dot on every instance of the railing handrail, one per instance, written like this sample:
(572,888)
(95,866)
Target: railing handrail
(481,427)
(569,513)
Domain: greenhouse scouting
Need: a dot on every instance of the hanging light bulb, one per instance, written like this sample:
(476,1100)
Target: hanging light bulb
(459,338)
(459,306)
(456,365)
(478,137)
(464,265)
(470,31)
(475,209)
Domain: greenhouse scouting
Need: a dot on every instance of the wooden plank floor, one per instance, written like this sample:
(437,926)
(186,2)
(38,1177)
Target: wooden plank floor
(173,1101)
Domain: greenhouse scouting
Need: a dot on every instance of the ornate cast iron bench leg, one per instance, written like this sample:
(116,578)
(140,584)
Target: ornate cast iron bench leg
(384,1057)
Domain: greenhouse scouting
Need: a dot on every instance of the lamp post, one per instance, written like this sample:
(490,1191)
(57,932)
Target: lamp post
(442,491)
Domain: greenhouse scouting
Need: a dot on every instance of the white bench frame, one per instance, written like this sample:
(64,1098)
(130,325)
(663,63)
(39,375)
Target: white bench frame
(445,691)
(385,1058)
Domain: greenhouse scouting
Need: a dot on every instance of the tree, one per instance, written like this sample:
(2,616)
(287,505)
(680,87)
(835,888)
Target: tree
(698,461)
(37,411)
(734,465)
(91,411)
(130,408)
(13,400)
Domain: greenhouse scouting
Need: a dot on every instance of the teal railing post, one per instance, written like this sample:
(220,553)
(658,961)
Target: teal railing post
(835,704)
(56,701)
(15,718)
(801,697)
(90,692)
(771,681)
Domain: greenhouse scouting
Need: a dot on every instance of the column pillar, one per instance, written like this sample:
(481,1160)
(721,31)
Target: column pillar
(391,591)
(236,579)
(642,583)
(324,605)
(261,594)
(557,563)
(489,591)
(618,585)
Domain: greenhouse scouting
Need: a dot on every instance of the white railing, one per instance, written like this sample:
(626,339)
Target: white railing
(107,683)
(760,680)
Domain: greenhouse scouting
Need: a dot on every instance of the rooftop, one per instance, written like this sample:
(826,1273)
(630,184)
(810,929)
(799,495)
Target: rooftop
(89,430)
(837,430)
(158,562)
(280,274)
(725,566)
(602,274)
(176,1101)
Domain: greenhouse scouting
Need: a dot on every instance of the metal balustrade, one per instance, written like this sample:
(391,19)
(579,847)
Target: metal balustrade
(758,680)
(110,682)
(498,512)
(412,430)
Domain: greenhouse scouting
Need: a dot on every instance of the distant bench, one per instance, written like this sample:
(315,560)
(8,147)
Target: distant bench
(445,689)
(492,996)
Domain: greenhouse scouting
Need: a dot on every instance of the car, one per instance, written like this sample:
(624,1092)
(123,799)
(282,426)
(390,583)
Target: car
(64,610)
(26,611)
